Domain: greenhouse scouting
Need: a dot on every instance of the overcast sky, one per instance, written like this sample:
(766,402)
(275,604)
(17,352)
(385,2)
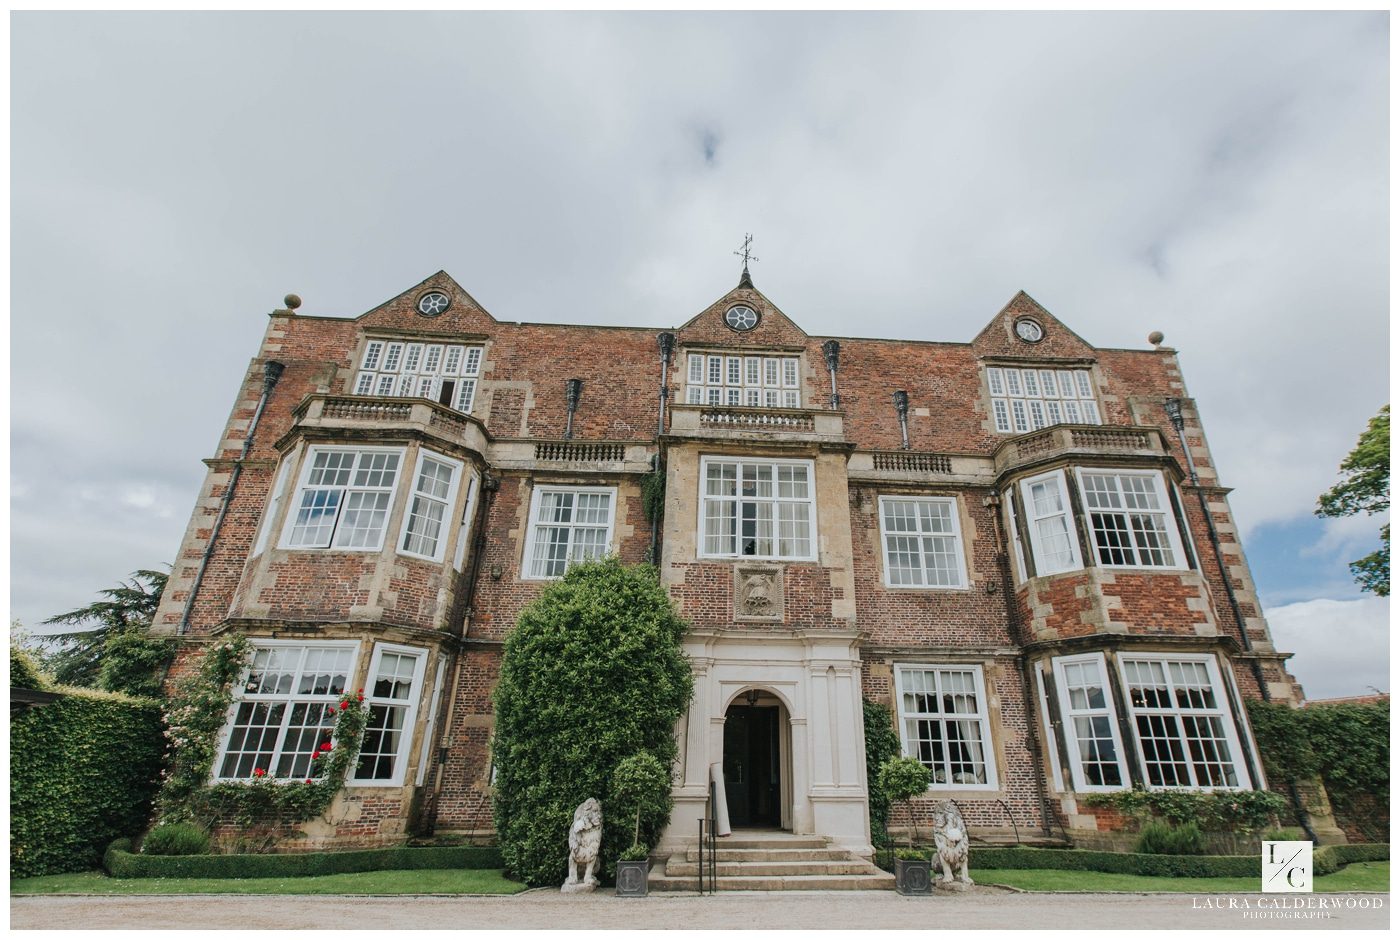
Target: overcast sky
(1222,178)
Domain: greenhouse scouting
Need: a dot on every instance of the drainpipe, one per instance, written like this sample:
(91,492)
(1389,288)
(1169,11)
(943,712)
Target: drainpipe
(272,371)
(832,351)
(665,342)
(901,408)
(489,486)
(1033,703)
(1173,409)
(572,389)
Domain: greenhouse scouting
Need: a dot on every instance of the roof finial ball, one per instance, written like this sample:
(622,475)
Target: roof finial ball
(292,301)
(1155,338)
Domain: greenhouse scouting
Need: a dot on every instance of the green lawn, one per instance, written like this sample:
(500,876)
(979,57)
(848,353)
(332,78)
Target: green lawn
(448,881)
(1358,876)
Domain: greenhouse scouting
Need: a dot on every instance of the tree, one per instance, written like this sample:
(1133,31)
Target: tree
(109,646)
(902,779)
(1365,487)
(592,674)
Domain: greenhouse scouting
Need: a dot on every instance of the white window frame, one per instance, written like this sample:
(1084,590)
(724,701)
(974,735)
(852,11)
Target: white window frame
(1071,735)
(401,368)
(303,478)
(740,462)
(743,380)
(289,699)
(1011,517)
(956,535)
(1057,782)
(1221,711)
(410,719)
(1043,565)
(1025,399)
(274,503)
(1166,511)
(981,718)
(446,527)
(430,730)
(534,524)
(464,528)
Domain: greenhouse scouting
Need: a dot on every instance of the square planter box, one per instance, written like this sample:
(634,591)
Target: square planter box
(914,878)
(632,879)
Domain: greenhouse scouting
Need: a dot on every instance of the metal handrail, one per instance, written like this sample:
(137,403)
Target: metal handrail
(713,808)
(1014,828)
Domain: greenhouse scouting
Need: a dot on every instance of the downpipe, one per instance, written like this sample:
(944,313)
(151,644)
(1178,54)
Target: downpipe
(272,371)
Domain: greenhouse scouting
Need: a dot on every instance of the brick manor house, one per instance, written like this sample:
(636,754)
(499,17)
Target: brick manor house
(1017,545)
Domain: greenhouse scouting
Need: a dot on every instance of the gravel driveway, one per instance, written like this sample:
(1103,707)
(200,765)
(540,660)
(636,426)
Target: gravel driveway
(983,907)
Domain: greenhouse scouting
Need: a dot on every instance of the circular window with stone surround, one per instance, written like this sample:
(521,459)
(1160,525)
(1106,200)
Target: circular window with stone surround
(741,319)
(433,303)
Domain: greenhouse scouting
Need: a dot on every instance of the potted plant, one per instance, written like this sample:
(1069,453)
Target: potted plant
(902,779)
(641,785)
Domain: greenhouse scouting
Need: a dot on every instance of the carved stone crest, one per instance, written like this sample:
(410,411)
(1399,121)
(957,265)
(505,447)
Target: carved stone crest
(758,593)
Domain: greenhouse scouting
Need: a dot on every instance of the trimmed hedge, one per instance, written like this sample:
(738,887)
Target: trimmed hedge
(120,862)
(1326,860)
(83,771)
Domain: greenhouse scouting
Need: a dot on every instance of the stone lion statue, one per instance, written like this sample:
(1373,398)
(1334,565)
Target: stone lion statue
(585,840)
(950,842)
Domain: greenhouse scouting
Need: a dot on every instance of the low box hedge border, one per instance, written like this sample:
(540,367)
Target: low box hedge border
(1326,860)
(120,862)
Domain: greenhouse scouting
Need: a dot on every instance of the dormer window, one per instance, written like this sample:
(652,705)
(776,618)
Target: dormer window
(748,381)
(445,374)
(1029,399)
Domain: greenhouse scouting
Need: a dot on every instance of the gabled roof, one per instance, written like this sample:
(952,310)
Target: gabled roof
(463,315)
(774,329)
(998,338)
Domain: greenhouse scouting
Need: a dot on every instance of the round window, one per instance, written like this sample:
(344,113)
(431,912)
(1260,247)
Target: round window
(433,303)
(741,318)
(1029,330)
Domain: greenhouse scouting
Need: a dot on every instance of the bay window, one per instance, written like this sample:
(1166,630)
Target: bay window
(757,509)
(1050,523)
(1129,518)
(343,499)
(430,507)
(1089,723)
(285,709)
(1185,734)
(391,695)
(943,722)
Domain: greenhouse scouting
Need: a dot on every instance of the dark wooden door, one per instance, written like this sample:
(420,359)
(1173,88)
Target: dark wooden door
(751,766)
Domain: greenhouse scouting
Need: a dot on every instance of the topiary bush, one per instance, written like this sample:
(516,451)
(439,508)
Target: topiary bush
(175,839)
(592,674)
(902,779)
(641,785)
(1159,838)
(83,771)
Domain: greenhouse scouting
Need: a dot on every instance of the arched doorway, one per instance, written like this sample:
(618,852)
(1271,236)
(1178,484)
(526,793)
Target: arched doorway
(757,780)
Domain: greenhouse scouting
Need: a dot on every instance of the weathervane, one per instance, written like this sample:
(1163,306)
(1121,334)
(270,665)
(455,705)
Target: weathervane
(745,253)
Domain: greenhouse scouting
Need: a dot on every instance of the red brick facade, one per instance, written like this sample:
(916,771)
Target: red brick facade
(460,609)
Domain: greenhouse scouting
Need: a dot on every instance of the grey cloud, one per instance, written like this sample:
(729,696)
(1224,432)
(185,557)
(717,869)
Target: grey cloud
(173,175)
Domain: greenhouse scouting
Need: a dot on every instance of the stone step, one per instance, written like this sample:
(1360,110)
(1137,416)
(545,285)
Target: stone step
(776,841)
(883,881)
(680,869)
(692,854)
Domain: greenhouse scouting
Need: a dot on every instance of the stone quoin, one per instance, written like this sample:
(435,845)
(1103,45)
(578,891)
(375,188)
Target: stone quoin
(1012,557)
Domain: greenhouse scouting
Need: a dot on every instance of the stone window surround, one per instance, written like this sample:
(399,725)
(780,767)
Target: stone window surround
(1243,753)
(533,524)
(295,464)
(740,460)
(990,748)
(960,549)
